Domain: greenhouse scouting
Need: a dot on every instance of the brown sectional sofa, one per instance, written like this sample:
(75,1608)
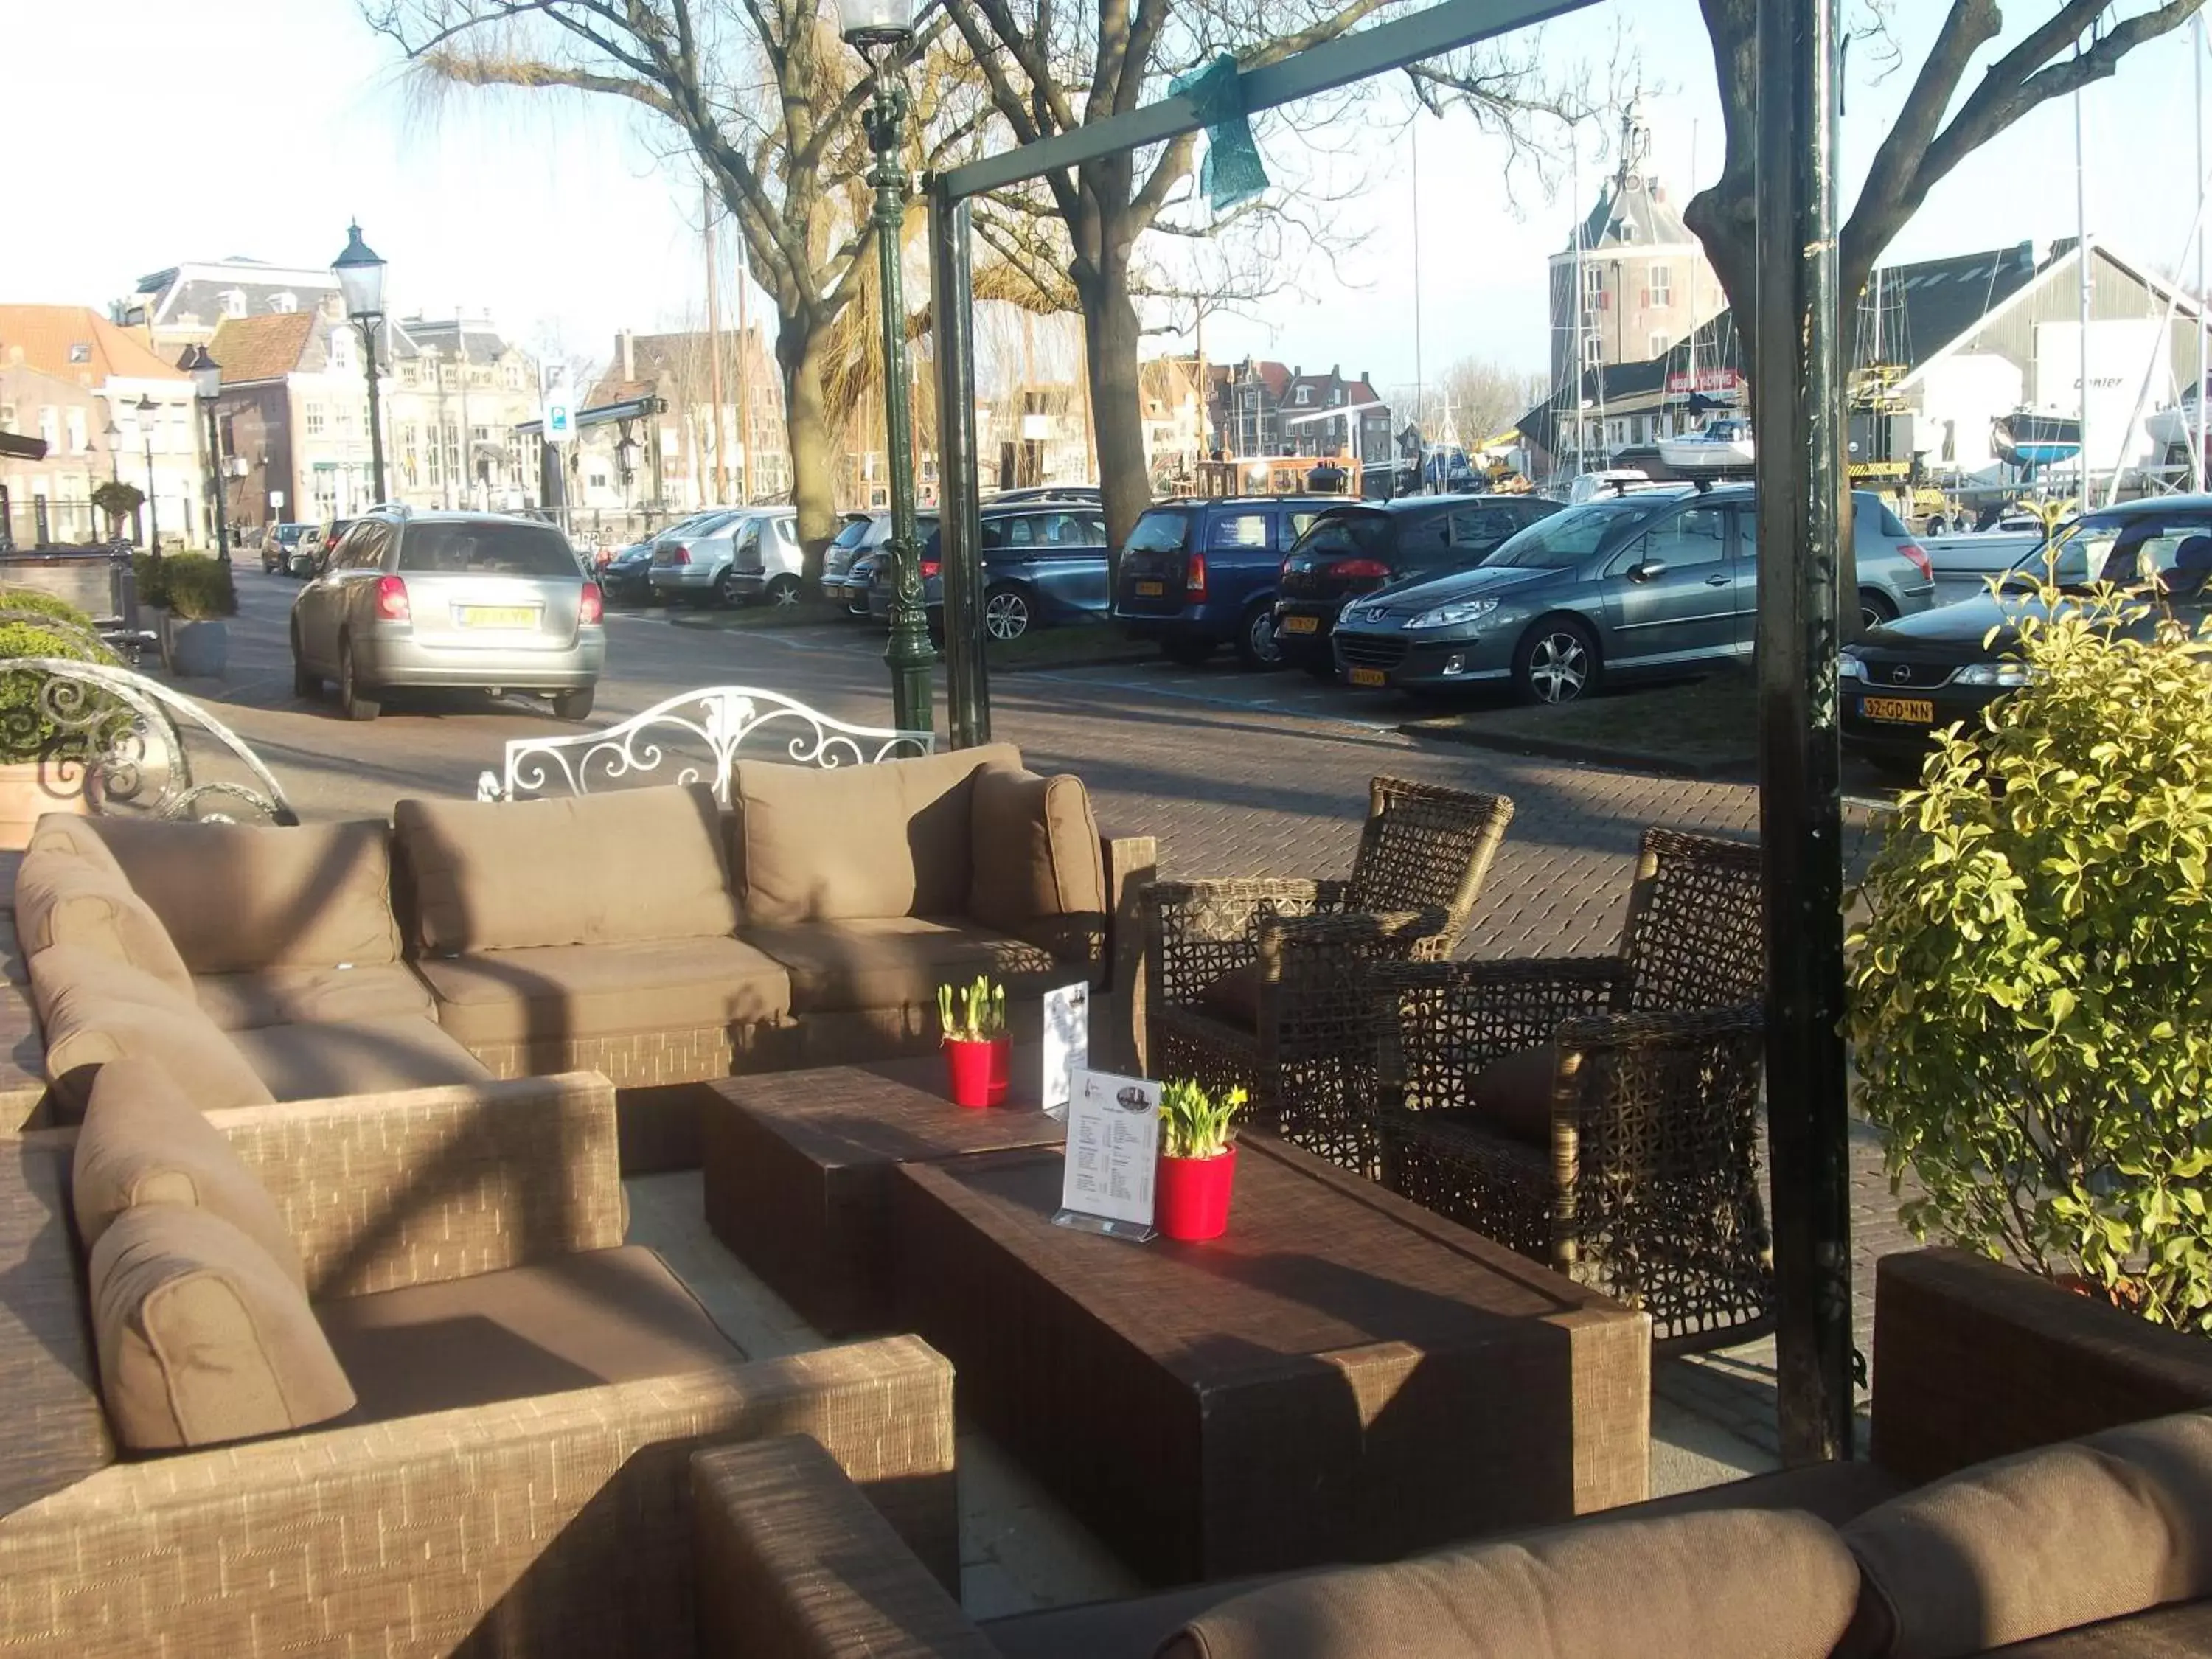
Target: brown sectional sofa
(512,1475)
(2097,1547)
(642,933)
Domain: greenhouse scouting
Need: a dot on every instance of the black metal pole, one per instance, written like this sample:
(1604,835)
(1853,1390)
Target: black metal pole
(375,426)
(214,470)
(959,522)
(1797,400)
(153,509)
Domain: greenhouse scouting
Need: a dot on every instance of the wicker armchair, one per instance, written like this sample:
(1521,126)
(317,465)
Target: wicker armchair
(1600,1114)
(1260,983)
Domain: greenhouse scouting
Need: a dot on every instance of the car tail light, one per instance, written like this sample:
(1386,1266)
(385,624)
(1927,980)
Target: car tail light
(682,554)
(391,599)
(1918,555)
(1362,569)
(592,607)
(1193,576)
(930,568)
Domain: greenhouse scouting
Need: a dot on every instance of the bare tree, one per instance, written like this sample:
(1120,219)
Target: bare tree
(1488,397)
(766,97)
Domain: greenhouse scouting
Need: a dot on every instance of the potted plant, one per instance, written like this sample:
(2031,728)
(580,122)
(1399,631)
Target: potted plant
(1198,1161)
(2032,991)
(43,766)
(978,1052)
(119,502)
(197,593)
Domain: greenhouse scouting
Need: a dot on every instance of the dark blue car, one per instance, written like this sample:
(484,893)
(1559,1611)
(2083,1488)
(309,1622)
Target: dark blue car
(1201,574)
(1042,563)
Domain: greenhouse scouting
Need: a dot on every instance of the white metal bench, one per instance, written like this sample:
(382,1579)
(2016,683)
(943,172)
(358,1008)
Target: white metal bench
(692,738)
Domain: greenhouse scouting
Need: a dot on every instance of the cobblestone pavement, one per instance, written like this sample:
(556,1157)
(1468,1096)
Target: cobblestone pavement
(1237,775)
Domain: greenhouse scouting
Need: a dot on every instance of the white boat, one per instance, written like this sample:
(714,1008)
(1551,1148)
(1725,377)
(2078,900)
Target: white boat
(1722,444)
(2174,427)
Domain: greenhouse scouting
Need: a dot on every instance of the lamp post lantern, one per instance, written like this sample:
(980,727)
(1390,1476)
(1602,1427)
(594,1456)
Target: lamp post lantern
(880,30)
(113,434)
(148,410)
(207,384)
(361,281)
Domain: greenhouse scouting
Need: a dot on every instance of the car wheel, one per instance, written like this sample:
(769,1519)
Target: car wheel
(1874,609)
(1187,653)
(783,592)
(1256,638)
(352,704)
(1556,662)
(574,705)
(726,590)
(1006,613)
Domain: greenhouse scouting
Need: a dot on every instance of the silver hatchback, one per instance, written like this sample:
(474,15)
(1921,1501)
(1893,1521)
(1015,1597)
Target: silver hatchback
(449,600)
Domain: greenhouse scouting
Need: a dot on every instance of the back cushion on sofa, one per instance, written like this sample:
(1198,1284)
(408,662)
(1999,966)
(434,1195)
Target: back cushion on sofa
(202,1338)
(143,1143)
(1037,860)
(63,899)
(854,842)
(628,865)
(1719,1585)
(236,897)
(94,1010)
(71,832)
(2045,1541)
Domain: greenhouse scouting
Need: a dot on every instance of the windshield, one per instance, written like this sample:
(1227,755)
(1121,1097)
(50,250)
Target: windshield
(1346,533)
(1569,538)
(1160,531)
(2128,549)
(485,548)
(854,533)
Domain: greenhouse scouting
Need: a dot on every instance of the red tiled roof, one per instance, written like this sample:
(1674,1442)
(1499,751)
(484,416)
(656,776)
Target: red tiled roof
(78,344)
(265,348)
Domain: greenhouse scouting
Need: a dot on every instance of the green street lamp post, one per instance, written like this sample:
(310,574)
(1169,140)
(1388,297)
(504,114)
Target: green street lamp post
(148,412)
(360,280)
(207,384)
(880,30)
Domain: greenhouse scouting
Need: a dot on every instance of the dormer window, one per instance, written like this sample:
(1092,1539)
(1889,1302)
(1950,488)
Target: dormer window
(79,351)
(285,303)
(233,302)
(1305,396)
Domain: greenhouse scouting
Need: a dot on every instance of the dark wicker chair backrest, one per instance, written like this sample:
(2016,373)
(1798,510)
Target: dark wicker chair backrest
(1693,937)
(1425,846)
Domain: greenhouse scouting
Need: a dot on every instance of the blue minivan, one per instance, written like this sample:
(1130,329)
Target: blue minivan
(1199,573)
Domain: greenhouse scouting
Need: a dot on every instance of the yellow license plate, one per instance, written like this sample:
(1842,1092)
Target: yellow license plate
(1906,711)
(498,616)
(1151,590)
(1302,624)
(1367,676)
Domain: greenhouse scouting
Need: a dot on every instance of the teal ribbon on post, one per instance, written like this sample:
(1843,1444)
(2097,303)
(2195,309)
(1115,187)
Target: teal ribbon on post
(1232,172)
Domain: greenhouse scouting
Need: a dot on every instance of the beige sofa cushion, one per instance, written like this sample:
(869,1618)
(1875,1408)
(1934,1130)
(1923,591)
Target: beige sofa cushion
(564,993)
(94,1010)
(898,962)
(238,896)
(1722,1584)
(632,864)
(2050,1540)
(600,1317)
(143,1143)
(888,840)
(64,899)
(1039,871)
(332,1058)
(71,832)
(202,1338)
(291,996)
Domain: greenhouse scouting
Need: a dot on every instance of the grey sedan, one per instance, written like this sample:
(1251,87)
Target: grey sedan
(1649,583)
(462,600)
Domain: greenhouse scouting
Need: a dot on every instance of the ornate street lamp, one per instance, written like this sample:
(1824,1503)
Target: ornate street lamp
(113,434)
(881,30)
(360,280)
(147,411)
(207,386)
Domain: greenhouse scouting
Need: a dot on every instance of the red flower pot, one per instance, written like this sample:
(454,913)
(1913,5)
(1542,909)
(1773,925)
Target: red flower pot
(1190,1198)
(980,1072)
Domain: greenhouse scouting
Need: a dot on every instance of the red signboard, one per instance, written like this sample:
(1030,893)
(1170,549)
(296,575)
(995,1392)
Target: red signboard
(1726,382)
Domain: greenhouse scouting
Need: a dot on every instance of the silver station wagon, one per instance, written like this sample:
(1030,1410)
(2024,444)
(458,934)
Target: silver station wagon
(448,599)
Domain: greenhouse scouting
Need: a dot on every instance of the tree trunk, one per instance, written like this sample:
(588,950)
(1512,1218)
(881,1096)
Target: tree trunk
(800,349)
(1113,335)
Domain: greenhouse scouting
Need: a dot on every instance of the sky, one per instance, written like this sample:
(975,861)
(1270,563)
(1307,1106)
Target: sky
(560,216)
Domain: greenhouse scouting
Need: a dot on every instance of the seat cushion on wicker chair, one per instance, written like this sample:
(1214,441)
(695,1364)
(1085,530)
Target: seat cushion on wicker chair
(143,1143)
(510,875)
(94,1010)
(614,1315)
(1729,1584)
(2048,1540)
(63,899)
(1234,997)
(291,996)
(893,838)
(1512,1095)
(236,897)
(896,962)
(356,1057)
(571,993)
(1038,870)
(202,1339)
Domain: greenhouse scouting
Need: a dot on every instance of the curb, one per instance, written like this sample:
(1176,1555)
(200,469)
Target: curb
(1629,760)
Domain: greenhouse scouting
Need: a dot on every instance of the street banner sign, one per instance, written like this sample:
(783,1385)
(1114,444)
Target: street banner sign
(557,409)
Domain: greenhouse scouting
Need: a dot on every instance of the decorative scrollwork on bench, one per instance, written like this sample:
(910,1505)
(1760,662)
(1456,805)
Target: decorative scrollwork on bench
(693,738)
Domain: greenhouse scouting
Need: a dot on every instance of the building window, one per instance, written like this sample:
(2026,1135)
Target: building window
(596,479)
(437,467)
(448,376)
(1662,285)
(1593,280)
(180,437)
(1657,346)
(1592,350)
(79,351)
(284,303)
(233,302)
(454,453)
(346,421)
(409,458)
(1305,395)
(48,430)
(314,420)
(407,376)
(341,349)
(78,441)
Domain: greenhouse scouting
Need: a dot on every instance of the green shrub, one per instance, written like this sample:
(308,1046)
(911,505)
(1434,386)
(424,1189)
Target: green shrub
(197,587)
(149,575)
(26,732)
(2033,991)
(38,602)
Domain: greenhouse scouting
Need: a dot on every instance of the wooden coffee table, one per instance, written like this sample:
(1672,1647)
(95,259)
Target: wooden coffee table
(798,1168)
(1342,1377)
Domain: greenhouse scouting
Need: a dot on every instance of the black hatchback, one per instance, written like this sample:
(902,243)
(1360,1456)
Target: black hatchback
(1356,549)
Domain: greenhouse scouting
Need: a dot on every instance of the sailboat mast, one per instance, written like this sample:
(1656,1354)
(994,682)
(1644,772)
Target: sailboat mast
(2082,253)
(2196,449)
(1575,304)
(1420,384)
